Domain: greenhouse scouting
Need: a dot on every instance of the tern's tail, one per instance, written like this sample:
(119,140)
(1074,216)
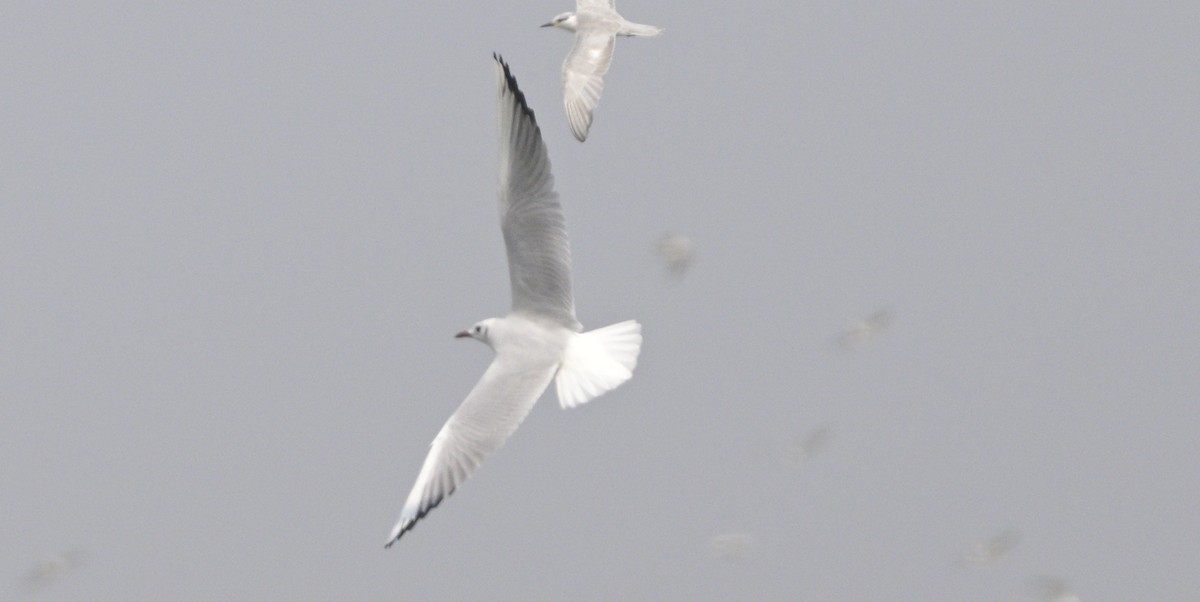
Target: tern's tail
(598,361)
(637,29)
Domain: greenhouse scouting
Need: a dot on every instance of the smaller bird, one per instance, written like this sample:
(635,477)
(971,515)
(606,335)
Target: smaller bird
(731,546)
(52,568)
(677,253)
(814,443)
(1054,589)
(991,550)
(596,25)
(864,332)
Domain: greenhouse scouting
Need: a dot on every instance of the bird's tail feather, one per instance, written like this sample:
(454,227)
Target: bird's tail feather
(597,361)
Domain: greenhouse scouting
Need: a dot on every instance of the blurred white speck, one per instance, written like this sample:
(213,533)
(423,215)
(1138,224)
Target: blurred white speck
(676,252)
(991,550)
(731,546)
(864,332)
(1054,589)
(52,568)
(812,444)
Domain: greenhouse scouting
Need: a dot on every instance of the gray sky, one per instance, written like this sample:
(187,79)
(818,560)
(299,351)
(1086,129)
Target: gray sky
(235,242)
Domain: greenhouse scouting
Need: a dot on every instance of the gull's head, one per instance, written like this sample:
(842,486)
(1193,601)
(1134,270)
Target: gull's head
(481,331)
(567,21)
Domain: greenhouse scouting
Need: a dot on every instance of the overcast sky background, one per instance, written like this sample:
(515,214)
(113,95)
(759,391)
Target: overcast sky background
(236,238)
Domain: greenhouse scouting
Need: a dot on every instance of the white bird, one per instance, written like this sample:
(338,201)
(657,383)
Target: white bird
(596,25)
(540,340)
(991,550)
(862,333)
(731,546)
(676,252)
(53,567)
(1054,589)
(814,443)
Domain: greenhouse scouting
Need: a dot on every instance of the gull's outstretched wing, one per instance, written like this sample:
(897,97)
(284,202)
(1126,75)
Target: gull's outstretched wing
(487,417)
(535,233)
(583,74)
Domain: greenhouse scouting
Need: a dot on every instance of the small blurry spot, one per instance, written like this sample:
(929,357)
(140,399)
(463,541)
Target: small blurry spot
(1053,589)
(52,568)
(814,443)
(989,551)
(731,546)
(863,333)
(677,253)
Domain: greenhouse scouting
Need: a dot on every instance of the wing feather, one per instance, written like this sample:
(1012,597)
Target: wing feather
(581,5)
(491,412)
(583,76)
(531,216)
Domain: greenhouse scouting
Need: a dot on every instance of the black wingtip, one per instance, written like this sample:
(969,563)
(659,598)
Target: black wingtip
(416,519)
(510,82)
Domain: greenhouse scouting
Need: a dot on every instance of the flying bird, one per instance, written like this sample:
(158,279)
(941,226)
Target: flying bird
(539,340)
(677,253)
(596,25)
(1054,589)
(989,551)
(731,546)
(53,567)
(814,443)
(864,332)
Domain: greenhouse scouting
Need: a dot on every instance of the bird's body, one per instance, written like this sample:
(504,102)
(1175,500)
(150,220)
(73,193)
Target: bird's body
(595,24)
(540,340)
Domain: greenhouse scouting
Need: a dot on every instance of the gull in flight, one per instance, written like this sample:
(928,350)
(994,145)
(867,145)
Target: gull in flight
(53,567)
(540,340)
(596,25)
(814,443)
(862,333)
(1054,589)
(731,546)
(988,552)
(676,252)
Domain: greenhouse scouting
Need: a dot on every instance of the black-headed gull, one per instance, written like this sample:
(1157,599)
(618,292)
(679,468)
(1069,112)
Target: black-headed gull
(596,25)
(540,340)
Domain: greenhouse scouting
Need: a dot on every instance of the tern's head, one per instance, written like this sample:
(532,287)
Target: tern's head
(567,21)
(481,331)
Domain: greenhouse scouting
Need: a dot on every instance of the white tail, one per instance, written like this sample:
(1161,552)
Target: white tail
(597,361)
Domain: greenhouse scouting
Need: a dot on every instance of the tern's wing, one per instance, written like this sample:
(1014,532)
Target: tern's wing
(487,417)
(583,76)
(602,4)
(535,233)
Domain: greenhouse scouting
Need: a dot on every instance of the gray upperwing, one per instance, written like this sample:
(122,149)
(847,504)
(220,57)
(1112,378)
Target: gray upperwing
(531,217)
